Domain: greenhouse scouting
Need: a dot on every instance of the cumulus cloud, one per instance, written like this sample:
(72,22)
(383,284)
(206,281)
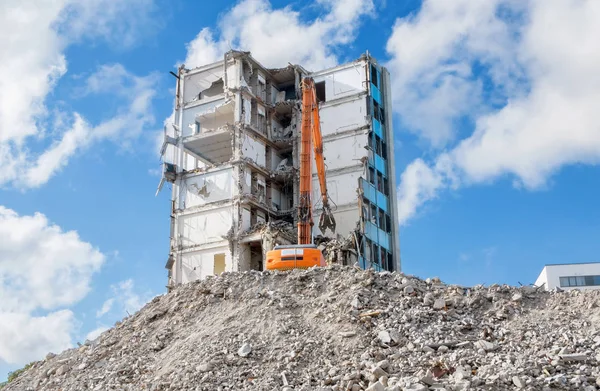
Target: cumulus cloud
(125,299)
(530,90)
(95,333)
(106,306)
(42,269)
(276,36)
(35,140)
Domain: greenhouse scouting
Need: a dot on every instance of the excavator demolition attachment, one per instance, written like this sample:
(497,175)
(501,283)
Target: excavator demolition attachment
(305,254)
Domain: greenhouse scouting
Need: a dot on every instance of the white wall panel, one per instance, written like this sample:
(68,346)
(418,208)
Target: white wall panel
(209,187)
(345,222)
(344,82)
(200,264)
(344,152)
(204,227)
(246,219)
(344,116)
(341,188)
(254,150)
(200,81)
(233,75)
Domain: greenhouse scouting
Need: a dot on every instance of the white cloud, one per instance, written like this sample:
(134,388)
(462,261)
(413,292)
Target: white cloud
(24,338)
(95,333)
(125,299)
(42,269)
(432,57)
(546,79)
(106,306)
(34,61)
(418,184)
(121,23)
(276,36)
(130,300)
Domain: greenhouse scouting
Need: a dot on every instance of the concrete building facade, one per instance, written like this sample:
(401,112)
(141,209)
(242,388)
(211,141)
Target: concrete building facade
(569,276)
(231,153)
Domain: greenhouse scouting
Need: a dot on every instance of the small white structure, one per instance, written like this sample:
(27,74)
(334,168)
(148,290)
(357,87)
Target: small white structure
(570,276)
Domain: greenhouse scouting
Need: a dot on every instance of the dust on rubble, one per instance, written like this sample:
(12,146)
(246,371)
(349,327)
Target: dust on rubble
(338,328)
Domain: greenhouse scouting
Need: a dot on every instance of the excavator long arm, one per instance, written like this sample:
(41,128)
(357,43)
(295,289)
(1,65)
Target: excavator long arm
(326,220)
(305,254)
(311,131)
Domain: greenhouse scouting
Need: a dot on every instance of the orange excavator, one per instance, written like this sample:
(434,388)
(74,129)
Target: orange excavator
(305,254)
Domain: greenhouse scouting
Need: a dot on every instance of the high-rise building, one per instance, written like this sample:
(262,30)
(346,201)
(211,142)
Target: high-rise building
(231,153)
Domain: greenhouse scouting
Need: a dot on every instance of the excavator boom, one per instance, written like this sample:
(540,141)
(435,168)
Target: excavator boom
(305,254)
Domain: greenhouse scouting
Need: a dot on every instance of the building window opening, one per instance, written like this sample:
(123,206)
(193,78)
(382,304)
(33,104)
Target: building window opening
(262,91)
(371,175)
(375,254)
(368,250)
(386,189)
(575,281)
(320,89)
(382,220)
(388,224)
(374,78)
(373,216)
(365,210)
(380,182)
(219,264)
(376,112)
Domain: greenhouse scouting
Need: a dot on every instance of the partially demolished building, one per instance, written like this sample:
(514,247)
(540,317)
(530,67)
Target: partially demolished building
(231,154)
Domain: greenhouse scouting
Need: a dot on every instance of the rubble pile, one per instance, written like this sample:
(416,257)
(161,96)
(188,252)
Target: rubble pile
(338,328)
(337,251)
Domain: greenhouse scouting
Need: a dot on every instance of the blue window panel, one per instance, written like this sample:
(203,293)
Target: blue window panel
(369,191)
(377,128)
(382,201)
(378,236)
(362,262)
(375,93)
(371,231)
(384,239)
(374,195)
(380,165)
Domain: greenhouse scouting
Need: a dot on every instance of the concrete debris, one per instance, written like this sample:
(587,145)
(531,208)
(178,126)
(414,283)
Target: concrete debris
(301,330)
(245,350)
(275,230)
(337,251)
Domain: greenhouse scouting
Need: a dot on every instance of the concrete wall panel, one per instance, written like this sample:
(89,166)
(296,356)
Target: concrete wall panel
(344,151)
(255,150)
(209,187)
(345,222)
(342,188)
(205,226)
(337,118)
(198,82)
(341,83)
(200,264)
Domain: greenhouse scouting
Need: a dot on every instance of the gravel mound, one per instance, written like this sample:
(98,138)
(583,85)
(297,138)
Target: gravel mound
(338,328)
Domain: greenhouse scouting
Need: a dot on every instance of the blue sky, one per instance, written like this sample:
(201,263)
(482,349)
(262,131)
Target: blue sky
(496,120)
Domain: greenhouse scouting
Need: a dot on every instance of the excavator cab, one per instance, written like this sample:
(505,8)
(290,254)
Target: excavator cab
(298,256)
